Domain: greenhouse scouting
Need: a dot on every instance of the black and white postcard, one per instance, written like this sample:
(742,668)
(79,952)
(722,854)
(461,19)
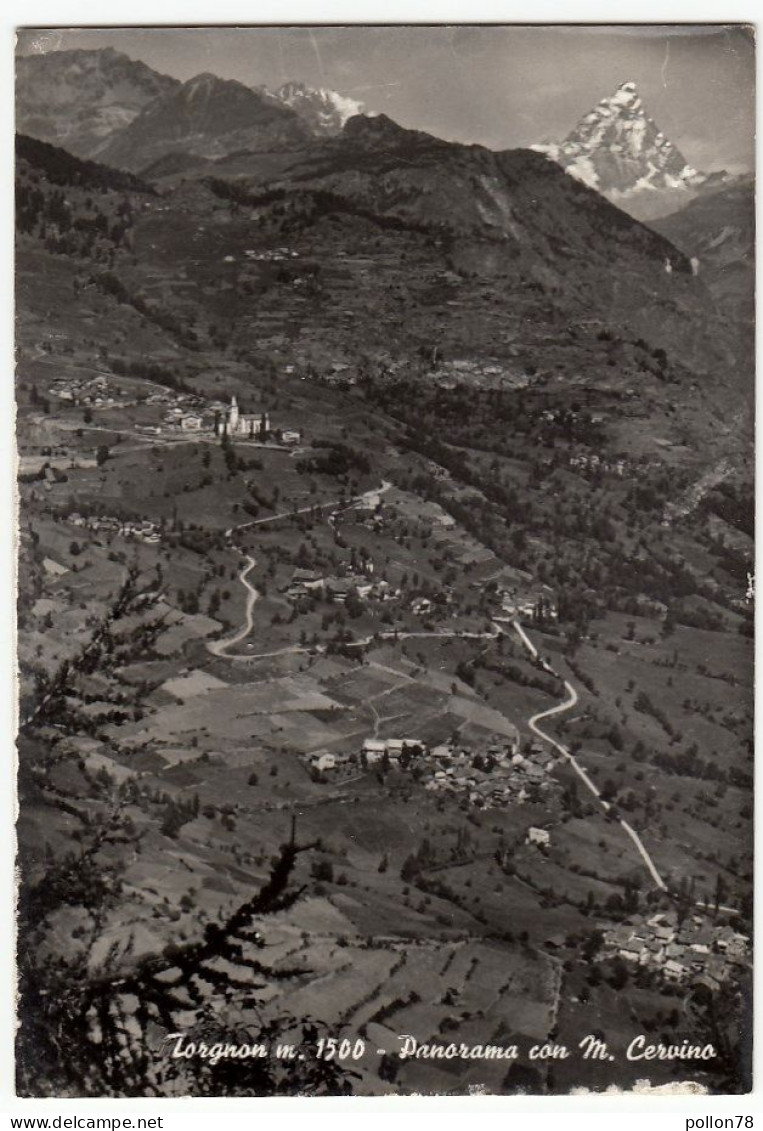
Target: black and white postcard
(384,419)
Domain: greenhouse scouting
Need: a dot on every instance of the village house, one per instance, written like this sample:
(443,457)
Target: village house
(442,752)
(337,589)
(310,578)
(534,604)
(539,837)
(421,606)
(631,952)
(731,943)
(323,760)
(383,591)
(303,582)
(374,749)
(54,568)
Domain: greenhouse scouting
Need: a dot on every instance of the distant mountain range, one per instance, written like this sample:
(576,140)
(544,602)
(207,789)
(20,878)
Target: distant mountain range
(619,150)
(102,104)
(297,160)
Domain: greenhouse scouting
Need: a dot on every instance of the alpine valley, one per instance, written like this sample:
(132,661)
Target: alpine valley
(384,592)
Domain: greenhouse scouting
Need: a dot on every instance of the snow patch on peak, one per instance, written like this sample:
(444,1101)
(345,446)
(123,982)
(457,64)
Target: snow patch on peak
(625,95)
(344,107)
(583,169)
(324,110)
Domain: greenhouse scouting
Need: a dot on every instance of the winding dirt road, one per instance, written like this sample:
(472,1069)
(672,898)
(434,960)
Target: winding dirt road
(560,708)
(220,647)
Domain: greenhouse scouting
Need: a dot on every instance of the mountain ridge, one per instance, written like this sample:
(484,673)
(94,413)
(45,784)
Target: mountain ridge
(618,149)
(84,99)
(207,117)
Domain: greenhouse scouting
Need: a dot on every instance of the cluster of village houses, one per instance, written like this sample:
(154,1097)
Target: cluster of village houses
(276,255)
(184,412)
(309,582)
(551,415)
(143,530)
(596,463)
(494,775)
(397,750)
(338,374)
(451,373)
(190,413)
(97,392)
(533,603)
(690,950)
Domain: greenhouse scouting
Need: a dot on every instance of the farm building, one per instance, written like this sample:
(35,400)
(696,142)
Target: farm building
(323,760)
(374,749)
(541,837)
(52,567)
(675,970)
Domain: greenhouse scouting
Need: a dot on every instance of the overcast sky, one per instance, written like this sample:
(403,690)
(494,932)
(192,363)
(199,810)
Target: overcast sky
(498,86)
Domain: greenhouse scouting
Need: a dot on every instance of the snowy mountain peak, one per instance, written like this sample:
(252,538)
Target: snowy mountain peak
(617,149)
(626,95)
(324,110)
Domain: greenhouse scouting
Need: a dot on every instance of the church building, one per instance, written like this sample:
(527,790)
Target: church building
(244,424)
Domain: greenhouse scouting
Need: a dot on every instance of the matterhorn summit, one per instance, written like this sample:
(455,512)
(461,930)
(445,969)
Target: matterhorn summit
(618,150)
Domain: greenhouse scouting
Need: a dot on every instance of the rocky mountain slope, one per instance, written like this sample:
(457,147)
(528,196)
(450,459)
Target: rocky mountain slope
(206,116)
(620,151)
(78,99)
(718,229)
(510,215)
